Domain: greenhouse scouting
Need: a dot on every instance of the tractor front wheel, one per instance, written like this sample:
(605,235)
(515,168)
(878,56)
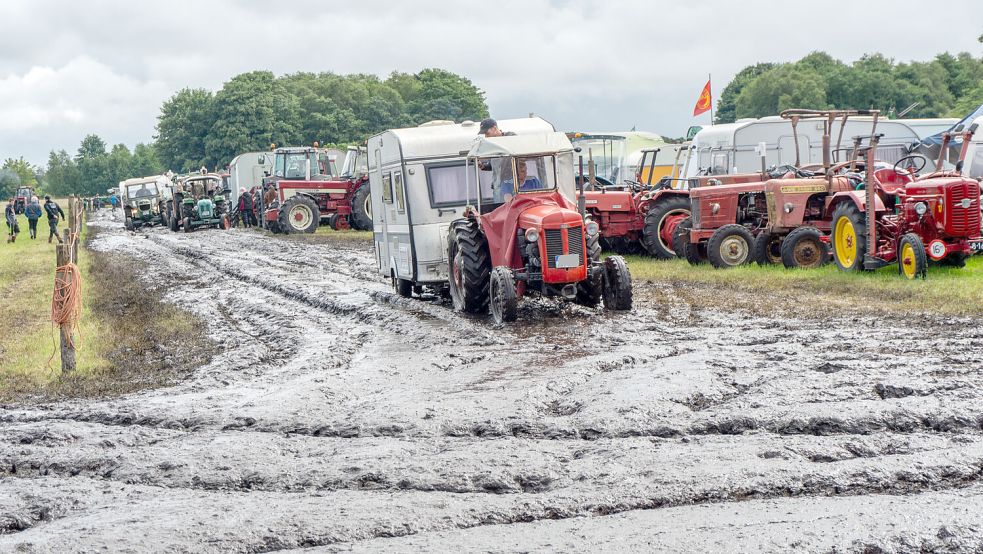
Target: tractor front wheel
(617,284)
(912,260)
(589,290)
(804,247)
(403,287)
(768,249)
(470,266)
(693,253)
(849,237)
(187,225)
(501,295)
(730,246)
(299,215)
(661,222)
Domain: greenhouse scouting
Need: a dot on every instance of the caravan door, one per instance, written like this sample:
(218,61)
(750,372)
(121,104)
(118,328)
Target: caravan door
(786,150)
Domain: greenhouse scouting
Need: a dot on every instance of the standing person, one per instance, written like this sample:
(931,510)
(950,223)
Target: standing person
(33,213)
(112,200)
(10,213)
(246,207)
(54,211)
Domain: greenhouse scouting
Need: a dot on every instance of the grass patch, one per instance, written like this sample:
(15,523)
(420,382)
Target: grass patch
(822,292)
(130,339)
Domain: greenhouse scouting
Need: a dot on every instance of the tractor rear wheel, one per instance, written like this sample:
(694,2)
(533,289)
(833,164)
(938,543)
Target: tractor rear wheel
(849,237)
(804,247)
(617,284)
(361,218)
(299,215)
(589,290)
(470,266)
(172,223)
(730,246)
(768,249)
(912,260)
(661,221)
(187,225)
(501,295)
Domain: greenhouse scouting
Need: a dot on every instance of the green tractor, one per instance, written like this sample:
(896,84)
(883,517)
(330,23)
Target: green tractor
(143,200)
(199,201)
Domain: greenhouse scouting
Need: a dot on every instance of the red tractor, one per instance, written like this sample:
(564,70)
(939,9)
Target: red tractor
(900,217)
(637,216)
(308,191)
(778,216)
(524,236)
(22,198)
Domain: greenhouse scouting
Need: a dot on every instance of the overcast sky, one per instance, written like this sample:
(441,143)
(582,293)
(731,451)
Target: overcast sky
(69,68)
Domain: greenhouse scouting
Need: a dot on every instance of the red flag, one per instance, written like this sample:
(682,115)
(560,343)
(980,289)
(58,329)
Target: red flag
(703,104)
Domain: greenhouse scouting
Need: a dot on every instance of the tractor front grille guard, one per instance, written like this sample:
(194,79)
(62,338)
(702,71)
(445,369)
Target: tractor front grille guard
(553,240)
(962,222)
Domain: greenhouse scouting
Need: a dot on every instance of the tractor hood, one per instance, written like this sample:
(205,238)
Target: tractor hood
(525,210)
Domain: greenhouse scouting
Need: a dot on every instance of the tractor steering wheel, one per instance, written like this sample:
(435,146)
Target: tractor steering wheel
(912,163)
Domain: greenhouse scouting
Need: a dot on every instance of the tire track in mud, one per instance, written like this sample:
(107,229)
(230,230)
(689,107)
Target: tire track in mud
(359,414)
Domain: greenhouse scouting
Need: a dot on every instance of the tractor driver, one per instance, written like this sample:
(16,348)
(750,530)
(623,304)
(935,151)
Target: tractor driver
(527,183)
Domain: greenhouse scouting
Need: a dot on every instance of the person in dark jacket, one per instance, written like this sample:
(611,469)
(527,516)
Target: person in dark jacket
(54,211)
(246,208)
(33,213)
(10,214)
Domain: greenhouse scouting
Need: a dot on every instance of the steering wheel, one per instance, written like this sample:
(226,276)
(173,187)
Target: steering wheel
(912,160)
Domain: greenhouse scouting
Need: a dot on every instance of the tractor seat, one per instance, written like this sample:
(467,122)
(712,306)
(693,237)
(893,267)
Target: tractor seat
(890,181)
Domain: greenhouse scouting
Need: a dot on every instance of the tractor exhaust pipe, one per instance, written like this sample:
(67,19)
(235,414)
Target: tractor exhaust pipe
(581,201)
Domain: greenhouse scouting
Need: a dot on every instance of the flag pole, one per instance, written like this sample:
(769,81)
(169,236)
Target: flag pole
(711,98)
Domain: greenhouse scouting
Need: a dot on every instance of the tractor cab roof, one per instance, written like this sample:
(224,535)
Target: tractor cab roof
(446,138)
(295,150)
(532,144)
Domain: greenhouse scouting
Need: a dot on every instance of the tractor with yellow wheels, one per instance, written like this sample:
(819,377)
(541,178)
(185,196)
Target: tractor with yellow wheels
(898,216)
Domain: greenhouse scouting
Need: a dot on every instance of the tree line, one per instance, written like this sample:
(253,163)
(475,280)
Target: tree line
(947,86)
(251,111)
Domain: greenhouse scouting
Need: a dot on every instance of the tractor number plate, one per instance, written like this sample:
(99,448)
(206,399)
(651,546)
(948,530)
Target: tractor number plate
(976,246)
(568,260)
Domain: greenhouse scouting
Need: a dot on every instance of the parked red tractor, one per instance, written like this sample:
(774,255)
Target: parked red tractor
(638,216)
(22,198)
(901,217)
(782,215)
(307,192)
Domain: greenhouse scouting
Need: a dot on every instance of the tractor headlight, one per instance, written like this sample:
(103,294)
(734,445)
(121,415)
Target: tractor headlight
(921,208)
(789,207)
(532,235)
(592,228)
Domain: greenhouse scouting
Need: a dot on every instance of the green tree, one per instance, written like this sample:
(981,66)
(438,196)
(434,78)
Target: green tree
(251,111)
(63,176)
(119,164)
(786,86)
(182,129)
(727,104)
(145,161)
(14,173)
(444,95)
(93,164)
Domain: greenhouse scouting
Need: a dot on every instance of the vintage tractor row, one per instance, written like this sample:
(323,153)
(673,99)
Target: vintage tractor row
(198,201)
(794,216)
(308,194)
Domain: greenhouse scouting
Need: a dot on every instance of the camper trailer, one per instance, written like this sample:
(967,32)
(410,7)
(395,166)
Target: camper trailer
(617,156)
(738,147)
(417,178)
(247,171)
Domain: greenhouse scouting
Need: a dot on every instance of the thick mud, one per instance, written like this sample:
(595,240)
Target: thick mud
(341,417)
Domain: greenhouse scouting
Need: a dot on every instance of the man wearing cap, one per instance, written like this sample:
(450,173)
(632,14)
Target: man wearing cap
(53,210)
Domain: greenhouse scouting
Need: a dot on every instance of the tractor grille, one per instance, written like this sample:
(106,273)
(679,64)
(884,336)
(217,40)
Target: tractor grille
(694,215)
(554,244)
(962,221)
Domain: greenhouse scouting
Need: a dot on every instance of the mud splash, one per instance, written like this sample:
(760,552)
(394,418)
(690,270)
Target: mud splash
(339,416)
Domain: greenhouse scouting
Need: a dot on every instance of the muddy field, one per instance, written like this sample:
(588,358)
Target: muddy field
(341,417)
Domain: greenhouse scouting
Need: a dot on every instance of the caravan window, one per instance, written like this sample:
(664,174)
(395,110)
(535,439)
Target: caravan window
(448,182)
(387,188)
(975,165)
(398,184)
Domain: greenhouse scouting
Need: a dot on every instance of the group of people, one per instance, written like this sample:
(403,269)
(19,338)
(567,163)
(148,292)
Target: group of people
(33,211)
(251,203)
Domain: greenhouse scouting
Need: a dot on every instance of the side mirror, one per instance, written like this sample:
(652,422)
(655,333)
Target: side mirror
(578,149)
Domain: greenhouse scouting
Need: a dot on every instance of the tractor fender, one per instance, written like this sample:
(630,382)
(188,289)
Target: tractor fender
(857,197)
(655,196)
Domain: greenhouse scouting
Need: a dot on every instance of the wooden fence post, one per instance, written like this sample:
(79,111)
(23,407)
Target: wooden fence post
(63,255)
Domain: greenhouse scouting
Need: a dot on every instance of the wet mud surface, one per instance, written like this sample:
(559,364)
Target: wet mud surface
(340,417)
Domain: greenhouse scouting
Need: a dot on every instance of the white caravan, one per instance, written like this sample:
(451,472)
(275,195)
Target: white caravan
(736,147)
(973,163)
(246,171)
(418,187)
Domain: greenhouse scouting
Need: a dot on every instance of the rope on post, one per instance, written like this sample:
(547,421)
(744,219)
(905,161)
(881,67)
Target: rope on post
(66,300)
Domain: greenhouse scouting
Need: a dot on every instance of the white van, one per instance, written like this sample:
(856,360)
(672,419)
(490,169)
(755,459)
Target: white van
(735,147)
(418,186)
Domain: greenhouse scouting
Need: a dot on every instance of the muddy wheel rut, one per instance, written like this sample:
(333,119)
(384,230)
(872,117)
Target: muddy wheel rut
(341,416)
